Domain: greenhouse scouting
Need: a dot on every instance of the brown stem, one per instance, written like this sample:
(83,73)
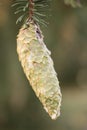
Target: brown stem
(31,7)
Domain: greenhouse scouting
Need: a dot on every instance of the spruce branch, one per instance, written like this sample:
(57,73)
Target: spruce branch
(32,10)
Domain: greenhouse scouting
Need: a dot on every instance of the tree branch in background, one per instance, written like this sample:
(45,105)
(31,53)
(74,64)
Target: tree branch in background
(73,3)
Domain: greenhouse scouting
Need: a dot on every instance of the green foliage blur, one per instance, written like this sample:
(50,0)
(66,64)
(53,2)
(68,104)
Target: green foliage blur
(66,37)
(73,3)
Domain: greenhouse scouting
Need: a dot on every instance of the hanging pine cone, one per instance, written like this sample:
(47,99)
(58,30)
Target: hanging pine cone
(38,67)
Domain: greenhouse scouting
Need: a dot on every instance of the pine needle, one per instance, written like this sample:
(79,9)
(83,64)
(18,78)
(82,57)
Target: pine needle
(40,7)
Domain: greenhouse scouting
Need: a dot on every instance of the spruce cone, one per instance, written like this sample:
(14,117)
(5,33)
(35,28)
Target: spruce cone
(38,67)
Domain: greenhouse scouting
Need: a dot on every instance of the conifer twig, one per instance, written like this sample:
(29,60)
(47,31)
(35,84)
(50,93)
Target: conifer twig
(31,7)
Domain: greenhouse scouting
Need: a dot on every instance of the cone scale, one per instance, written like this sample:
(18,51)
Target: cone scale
(39,68)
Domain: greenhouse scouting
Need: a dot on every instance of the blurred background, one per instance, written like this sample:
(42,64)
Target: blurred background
(66,37)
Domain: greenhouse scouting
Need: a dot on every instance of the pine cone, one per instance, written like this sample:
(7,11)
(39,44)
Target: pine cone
(38,67)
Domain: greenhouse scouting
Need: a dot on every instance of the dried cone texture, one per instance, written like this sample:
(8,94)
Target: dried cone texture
(38,67)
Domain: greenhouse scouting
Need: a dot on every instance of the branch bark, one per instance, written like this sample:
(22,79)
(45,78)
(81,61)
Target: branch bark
(31,7)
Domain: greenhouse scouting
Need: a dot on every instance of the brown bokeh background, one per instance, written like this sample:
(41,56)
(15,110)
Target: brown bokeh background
(66,37)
